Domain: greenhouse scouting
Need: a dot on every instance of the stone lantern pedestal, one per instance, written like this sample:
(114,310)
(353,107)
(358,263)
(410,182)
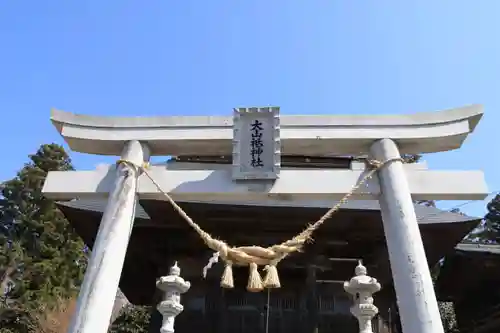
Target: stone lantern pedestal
(362,287)
(172,286)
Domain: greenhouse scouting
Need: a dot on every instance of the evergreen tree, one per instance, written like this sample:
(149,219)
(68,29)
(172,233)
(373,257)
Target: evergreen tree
(134,319)
(411,158)
(39,251)
(489,230)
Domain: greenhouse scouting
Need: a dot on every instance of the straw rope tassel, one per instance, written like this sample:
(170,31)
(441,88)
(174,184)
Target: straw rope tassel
(227,277)
(272,279)
(254,279)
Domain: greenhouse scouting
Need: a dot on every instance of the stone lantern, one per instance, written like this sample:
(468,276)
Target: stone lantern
(172,286)
(362,287)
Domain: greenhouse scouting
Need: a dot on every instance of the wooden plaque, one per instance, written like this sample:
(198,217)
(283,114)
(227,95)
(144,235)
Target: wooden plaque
(256,143)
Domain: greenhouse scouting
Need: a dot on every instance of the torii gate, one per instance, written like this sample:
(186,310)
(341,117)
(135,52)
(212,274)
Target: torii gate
(381,137)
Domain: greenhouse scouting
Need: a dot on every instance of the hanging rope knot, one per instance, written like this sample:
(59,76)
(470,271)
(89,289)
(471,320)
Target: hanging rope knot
(143,167)
(374,163)
(255,256)
(222,248)
(129,163)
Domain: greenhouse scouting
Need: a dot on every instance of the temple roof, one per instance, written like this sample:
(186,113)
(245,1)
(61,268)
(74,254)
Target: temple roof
(481,248)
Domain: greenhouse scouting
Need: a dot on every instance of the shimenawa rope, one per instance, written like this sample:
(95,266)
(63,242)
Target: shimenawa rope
(255,256)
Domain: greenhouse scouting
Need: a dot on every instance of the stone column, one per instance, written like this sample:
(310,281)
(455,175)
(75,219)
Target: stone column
(172,287)
(362,287)
(417,302)
(97,295)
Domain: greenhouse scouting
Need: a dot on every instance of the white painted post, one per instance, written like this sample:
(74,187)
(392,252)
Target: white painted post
(97,295)
(417,302)
(172,285)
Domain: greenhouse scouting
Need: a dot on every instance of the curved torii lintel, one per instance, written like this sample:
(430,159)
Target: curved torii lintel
(424,132)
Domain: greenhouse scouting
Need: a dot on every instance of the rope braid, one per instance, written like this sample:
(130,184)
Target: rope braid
(255,256)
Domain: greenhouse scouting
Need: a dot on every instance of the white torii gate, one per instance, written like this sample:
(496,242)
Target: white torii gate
(381,137)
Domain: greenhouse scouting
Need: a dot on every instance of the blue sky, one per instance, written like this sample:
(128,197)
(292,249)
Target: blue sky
(206,57)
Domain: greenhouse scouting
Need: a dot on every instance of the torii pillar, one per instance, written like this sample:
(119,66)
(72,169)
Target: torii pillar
(382,137)
(410,271)
(98,291)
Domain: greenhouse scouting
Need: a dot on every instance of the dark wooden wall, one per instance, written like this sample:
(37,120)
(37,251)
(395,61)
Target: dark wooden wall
(293,309)
(470,279)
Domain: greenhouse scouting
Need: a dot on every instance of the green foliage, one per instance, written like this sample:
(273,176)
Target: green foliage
(411,158)
(41,254)
(39,251)
(135,319)
(488,231)
(16,319)
(491,228)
